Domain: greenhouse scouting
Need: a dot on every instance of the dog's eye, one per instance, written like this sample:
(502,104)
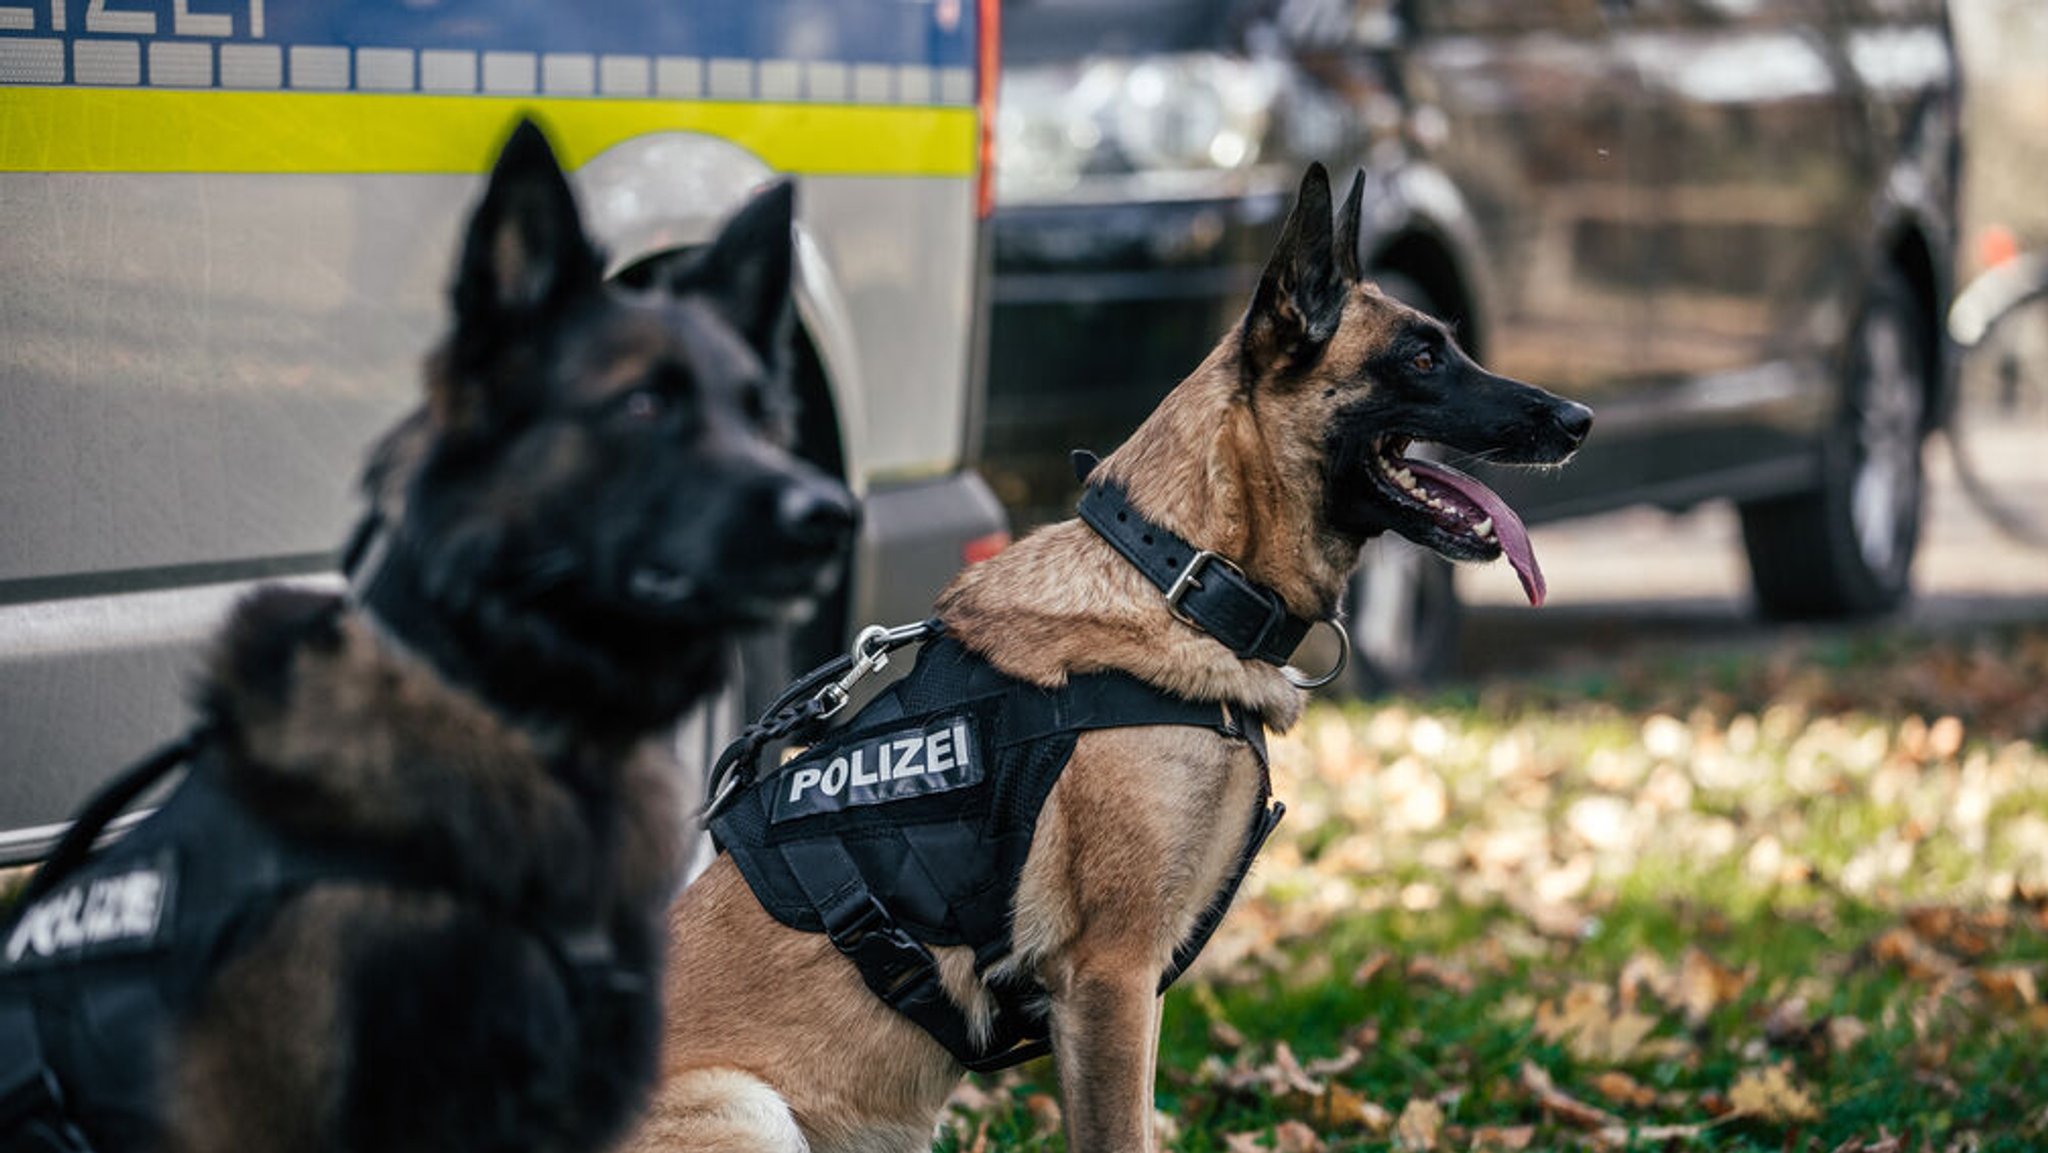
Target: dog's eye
(643,404)
(1424,361)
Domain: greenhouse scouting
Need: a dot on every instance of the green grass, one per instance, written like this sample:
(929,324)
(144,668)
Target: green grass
(1667,887)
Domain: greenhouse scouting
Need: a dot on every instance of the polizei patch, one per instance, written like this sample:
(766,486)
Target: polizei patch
(874,770)
(124,912)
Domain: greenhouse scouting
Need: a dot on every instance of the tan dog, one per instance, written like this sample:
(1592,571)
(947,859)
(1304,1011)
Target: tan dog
(1281,453)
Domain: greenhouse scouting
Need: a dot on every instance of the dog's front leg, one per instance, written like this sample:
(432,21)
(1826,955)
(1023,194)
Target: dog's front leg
(1105,1018)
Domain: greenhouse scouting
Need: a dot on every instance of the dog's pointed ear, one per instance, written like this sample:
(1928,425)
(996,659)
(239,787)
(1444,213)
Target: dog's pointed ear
(1348,224)
(746,272)
(525,251)
(1300,297)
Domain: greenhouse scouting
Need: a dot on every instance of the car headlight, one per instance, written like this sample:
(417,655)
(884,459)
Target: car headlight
(1167,126)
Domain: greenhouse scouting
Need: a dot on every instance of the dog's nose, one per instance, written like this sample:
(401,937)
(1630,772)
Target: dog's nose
(816,514)
(1575,420)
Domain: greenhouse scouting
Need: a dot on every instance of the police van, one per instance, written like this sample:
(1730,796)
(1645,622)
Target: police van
(227,227)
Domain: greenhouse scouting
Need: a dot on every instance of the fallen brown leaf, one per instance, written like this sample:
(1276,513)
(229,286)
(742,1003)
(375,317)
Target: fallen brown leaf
(1420,1126)
(1583,1022)
(2012,987)
(1769,1094)
(1502,1139)
(1845,1033)
(1965,933)
(1788,1023)
(1370,967)
(1343,1108)
(1882,1143)
(1447,976)
(1295,1137)
(1287,1074)
(1345,1059)
(1901,947)
(1560,1104)
(1621,1089)
(1636,1136)
(1224,1035)
(1646,972)
(1704,985)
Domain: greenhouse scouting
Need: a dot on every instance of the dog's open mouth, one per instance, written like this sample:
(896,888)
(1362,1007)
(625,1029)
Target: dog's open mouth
(1441,508)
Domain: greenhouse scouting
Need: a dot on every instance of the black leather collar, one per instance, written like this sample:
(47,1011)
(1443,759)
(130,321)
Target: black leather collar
(1202,588)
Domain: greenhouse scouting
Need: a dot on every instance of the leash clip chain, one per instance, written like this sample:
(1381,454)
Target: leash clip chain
(870,655)
(793,710)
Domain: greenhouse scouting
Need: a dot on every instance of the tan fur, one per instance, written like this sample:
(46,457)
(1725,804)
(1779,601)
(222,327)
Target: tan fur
(1134,841)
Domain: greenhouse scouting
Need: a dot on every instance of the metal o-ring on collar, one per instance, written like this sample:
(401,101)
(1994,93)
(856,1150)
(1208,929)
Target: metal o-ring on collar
(1301,680)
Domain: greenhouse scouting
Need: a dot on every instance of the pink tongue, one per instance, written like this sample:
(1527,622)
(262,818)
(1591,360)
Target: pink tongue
(1507,527)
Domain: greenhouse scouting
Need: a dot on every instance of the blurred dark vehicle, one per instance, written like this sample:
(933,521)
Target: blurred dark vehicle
(1725,224)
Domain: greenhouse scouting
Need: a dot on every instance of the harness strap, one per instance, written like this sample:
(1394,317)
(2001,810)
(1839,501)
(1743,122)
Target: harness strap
(1202,588)
(1264,818)
(896,966)
(108,803)
(32,1113)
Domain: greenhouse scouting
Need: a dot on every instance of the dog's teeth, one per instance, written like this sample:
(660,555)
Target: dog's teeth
(1484,527)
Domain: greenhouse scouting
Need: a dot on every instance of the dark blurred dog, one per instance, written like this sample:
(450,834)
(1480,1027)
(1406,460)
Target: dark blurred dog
(409,895)
(1264,471)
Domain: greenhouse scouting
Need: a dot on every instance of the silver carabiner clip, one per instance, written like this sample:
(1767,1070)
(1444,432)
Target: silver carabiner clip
(870,655)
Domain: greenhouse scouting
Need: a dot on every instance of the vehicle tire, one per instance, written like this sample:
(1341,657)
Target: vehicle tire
(1402,606)
(1845,547)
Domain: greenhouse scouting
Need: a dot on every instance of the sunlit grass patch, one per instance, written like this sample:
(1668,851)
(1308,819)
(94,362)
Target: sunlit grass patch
(1795,902)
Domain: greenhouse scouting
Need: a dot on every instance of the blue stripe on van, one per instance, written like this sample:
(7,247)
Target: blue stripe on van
(934,33)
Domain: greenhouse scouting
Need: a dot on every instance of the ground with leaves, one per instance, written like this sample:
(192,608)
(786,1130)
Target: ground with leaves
(1784,901)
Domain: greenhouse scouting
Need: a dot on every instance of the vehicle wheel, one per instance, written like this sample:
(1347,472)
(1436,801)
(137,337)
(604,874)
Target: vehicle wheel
(1402,606)
(1845,548)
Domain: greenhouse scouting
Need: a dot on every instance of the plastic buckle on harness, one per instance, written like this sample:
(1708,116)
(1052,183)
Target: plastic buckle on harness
(893,963)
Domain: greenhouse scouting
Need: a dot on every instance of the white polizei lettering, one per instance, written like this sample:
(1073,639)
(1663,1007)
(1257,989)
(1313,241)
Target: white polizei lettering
(938,751)
(835,777)
(909,757)
(48,916)
(883,769)
(803,779)
(104,905)
(24,934)
(108,909)
(142,903)
(960,746)
(859,777)
(69,931)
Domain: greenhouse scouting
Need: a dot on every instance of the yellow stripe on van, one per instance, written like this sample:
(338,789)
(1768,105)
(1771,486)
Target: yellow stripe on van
(152,130)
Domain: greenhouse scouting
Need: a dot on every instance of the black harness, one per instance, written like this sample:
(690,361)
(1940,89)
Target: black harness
(106,951)
(907,828)
(109,949)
